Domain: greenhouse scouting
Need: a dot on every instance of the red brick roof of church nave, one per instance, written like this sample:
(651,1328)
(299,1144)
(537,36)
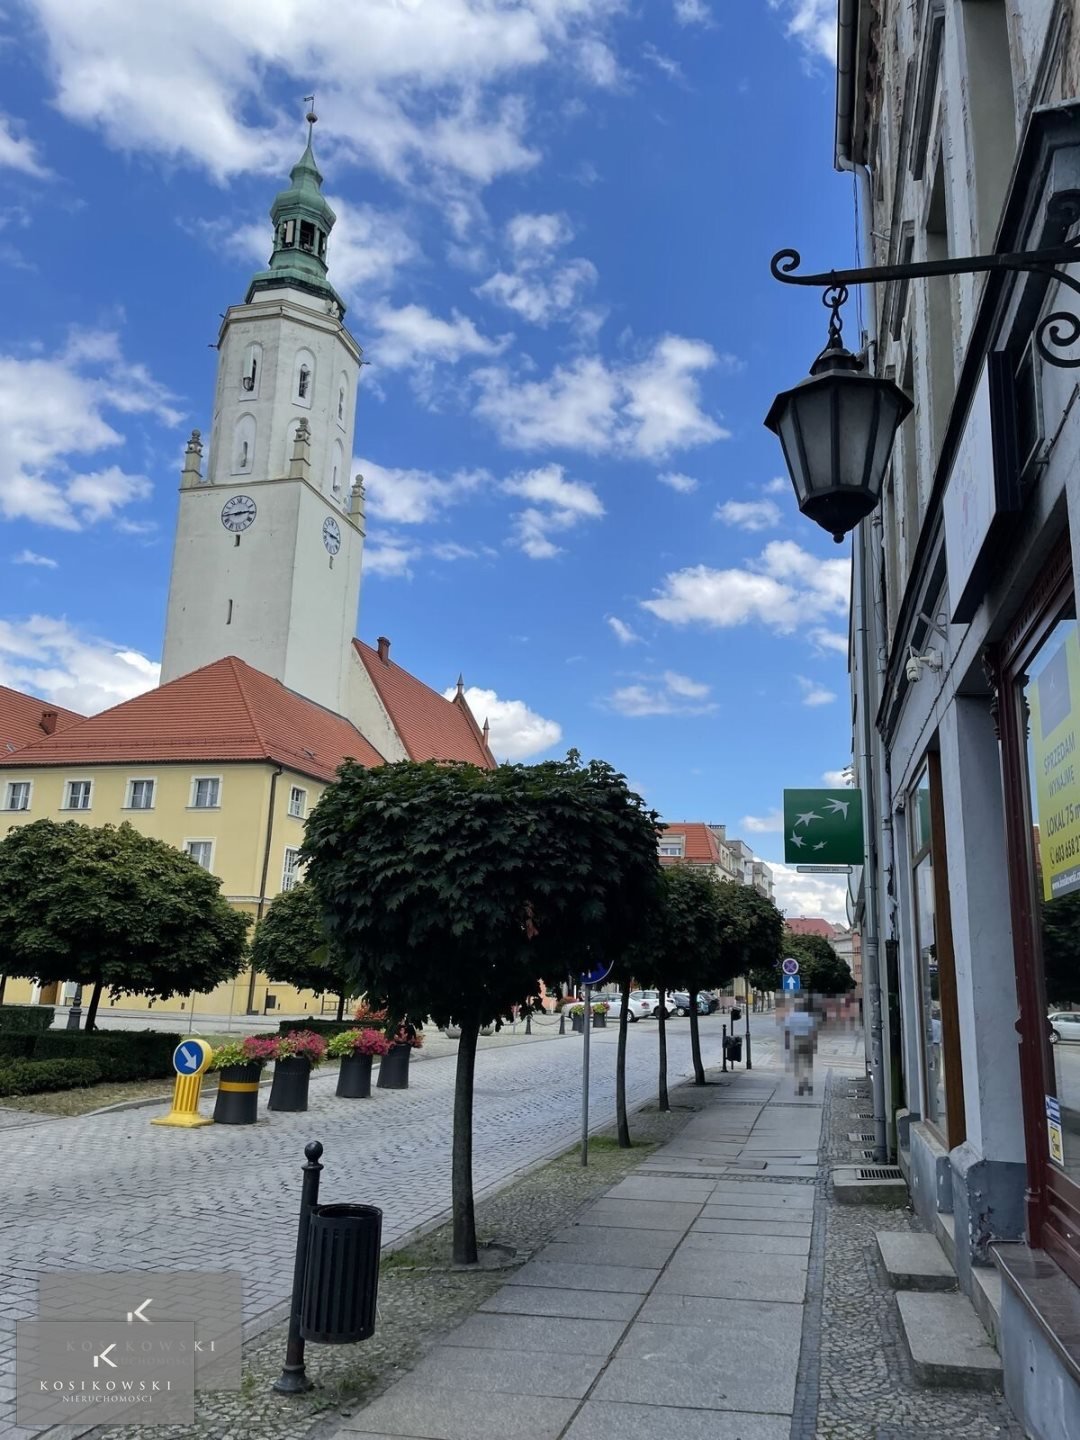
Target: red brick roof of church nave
(431,727)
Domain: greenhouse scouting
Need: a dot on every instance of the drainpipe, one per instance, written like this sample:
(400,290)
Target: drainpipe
(870,640)
(265,873)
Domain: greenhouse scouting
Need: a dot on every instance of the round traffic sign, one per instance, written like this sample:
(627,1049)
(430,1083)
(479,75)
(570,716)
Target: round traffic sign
(191,1057)
(597,975)
(790,966)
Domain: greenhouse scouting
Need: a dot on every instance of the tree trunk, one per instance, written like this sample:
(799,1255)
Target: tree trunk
(622,1123)
(463,1208)
(661,1019)
(695,1041)
(340,1007)
(3,987)
(91,1013)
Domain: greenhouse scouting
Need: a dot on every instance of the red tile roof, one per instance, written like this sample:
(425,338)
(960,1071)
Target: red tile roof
(225,711)
(430,726)
(700,844)
(20,719)
(811,925)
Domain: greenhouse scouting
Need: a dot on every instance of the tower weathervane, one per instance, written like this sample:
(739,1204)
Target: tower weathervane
(310,117)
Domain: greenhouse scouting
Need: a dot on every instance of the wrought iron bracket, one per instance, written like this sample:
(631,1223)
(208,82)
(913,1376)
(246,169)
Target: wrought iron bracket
(1054,333)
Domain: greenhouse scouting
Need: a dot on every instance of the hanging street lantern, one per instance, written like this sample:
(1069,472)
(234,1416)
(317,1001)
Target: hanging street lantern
(837,429)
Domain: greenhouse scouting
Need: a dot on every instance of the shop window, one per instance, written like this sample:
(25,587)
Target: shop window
(943,1103)
(1037,673)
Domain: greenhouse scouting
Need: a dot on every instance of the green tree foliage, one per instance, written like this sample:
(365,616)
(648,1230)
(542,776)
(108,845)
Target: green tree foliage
(291,946)
(454,890)
(821,970)
(111,908)
(1061,948)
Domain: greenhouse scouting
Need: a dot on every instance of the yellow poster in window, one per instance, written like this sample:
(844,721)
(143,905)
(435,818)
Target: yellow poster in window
(1055,723)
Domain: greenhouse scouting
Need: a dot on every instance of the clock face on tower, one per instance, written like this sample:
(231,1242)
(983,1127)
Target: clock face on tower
(238,513)
(331,535)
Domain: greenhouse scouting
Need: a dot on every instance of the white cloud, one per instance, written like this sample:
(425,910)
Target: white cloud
(392,559)
(51,658)
(837,779)
(366,248)
(413,497)
(692,12)
(763,824)
(648,408)
(664,63)
(776,486)
(537,288)
(31,557)
(516,731)
(834,640)
(533,238)
(813,24)
(749,514)
(558,505)
(785,588)
(814,693)
(622,632)
(675,695)
(191,82)
(53,416)
(18,152)
(676,480)
(795,894)
(412,336)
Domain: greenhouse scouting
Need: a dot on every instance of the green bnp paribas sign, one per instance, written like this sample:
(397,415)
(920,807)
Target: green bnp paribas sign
(823,827)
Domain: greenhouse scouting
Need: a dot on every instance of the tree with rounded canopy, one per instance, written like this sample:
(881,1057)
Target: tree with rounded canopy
(112,908)
(291,946)
(821,970)
(454,891)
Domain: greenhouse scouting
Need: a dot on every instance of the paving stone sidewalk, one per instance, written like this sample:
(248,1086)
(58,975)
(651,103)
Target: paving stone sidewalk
(672,1307)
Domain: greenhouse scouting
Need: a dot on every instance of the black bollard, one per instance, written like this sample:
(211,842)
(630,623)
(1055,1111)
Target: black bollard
(293,1379)
(723,1067)
(528,1023)
(562,1022)
(749,1062)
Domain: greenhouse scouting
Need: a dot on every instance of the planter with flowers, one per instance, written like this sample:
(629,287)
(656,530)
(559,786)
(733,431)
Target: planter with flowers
(577,1019)
(297,1053)
(394,1066)
(599,1015)
(240,1063)
(356,1049)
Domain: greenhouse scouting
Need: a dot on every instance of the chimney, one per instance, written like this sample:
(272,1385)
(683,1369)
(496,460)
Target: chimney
(487,732)
(48,721)
(384,649)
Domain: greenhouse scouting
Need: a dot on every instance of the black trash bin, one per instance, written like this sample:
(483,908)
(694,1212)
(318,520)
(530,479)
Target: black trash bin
(341,1281)
(734,1048)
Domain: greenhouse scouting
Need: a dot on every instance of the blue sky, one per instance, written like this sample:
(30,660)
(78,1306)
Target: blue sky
(555,221)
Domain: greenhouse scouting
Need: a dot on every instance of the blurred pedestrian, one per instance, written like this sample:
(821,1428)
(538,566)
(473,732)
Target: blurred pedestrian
(800,1042)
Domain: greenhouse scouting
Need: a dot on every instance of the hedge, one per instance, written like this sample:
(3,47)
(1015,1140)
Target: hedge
(31,1077)
(25,1019)
(116,1054)
(320,1027)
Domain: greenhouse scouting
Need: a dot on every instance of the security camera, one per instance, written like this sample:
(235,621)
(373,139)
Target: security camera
(912,669)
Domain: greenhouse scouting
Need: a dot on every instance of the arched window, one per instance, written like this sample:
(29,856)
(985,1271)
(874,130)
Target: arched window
(251,373)
(337,467)
(304,378)
(243,450)
(342,399)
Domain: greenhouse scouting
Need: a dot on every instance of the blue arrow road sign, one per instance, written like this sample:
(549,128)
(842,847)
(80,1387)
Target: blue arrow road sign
(792,983)
(188,1057)
(597,975)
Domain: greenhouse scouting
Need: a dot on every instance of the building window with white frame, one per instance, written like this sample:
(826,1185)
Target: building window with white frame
(18,795)
(290,873)
(206,792)
(298,802)
(673,849)
(140,795)
(201,851)
(77,795)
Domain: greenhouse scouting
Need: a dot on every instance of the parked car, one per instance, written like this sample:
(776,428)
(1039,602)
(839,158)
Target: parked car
(1065,1025)
(638,1009)
(680,999)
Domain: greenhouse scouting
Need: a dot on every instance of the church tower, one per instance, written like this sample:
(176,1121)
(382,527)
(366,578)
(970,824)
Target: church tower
(269,536)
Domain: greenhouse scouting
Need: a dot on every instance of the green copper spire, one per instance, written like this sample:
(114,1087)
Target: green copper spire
(302,220)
